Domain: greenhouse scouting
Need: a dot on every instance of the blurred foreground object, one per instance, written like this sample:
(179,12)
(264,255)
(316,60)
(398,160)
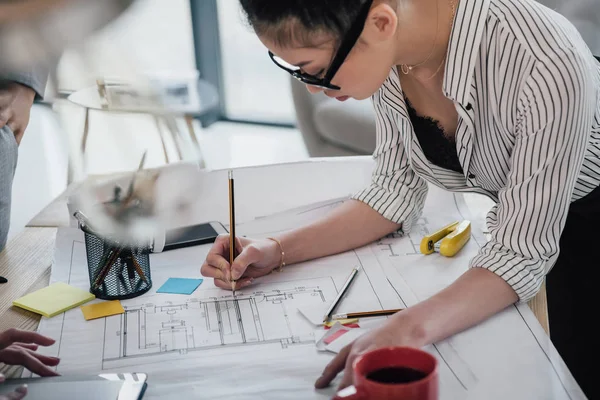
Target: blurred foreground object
(34,34)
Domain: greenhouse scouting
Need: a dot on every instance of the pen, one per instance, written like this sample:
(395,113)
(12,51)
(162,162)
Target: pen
(364,314)
(130,272)
(341,294)
(122,278)
(231,229)
(3,279)
(84,223)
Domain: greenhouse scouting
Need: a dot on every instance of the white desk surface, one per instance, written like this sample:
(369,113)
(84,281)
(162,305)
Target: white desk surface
(260,190)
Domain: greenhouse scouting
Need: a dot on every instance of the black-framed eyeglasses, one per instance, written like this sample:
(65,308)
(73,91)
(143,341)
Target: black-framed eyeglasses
(346,46)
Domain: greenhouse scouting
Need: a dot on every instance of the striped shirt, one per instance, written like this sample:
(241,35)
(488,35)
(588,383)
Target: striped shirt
(527,91)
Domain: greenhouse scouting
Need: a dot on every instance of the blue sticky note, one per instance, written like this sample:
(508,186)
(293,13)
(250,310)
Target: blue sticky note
(180,286)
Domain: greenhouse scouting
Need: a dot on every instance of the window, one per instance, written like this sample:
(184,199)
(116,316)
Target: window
(230,56)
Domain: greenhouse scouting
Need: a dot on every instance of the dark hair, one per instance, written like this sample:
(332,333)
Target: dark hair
(297,21)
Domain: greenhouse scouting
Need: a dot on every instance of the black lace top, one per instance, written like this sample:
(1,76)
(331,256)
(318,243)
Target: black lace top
(439,149)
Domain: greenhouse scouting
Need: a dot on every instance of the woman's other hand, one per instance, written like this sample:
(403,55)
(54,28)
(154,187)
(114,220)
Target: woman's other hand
(394,332)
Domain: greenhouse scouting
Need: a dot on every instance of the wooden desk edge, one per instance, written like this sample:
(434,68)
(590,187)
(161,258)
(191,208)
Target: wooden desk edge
(539,306)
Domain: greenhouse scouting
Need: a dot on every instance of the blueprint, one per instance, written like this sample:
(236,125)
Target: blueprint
(257,345)
(199,324)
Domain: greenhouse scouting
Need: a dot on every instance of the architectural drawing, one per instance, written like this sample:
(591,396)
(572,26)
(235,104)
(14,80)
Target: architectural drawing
(408,247)
(210,345)
(200,324)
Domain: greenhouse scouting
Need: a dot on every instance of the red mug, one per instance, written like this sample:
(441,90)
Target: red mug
(393,373)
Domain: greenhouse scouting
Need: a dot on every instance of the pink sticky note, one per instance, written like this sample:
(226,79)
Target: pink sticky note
(334,336)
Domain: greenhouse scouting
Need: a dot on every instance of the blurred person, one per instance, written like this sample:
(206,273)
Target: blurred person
(17,94)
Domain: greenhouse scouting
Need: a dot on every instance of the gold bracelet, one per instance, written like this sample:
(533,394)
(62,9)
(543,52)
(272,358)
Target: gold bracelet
(282,263)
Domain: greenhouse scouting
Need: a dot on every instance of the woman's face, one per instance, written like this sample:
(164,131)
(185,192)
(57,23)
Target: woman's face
(361,74)
(366,67)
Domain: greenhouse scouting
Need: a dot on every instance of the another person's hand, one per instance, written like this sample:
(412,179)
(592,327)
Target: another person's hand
(18,394)
(15,105)
(394,332)
(19,347)
(255,258)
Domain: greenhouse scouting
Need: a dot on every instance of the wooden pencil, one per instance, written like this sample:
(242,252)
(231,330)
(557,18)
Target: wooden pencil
(231,228)
(138,268)
(365,314)
(106,268)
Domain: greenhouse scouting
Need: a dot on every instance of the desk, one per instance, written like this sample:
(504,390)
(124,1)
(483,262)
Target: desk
(28,256)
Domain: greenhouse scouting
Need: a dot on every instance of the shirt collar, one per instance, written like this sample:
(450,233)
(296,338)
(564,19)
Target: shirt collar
(463,48)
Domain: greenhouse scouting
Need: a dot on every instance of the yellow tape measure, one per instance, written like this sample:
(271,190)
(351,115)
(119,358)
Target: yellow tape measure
(453,237)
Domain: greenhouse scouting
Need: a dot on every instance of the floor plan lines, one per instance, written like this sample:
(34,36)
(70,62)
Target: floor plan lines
(199,324)
(411,243)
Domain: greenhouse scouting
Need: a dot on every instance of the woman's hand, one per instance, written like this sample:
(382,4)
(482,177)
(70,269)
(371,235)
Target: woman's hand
(255,258)
(394,332)
(19,347)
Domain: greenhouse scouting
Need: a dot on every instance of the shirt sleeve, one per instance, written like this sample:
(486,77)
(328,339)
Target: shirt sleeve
(34,77)
(555,115)
(396,192)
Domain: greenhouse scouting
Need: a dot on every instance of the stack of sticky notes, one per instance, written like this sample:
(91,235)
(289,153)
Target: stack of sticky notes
(54,299)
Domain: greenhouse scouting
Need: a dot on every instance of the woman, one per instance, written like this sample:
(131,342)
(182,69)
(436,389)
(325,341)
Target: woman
(499,97)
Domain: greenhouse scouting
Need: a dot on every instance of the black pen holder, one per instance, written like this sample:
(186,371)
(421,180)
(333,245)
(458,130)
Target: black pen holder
(117,272)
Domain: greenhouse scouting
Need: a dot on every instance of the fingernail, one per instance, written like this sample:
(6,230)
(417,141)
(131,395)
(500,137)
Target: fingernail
(22,389)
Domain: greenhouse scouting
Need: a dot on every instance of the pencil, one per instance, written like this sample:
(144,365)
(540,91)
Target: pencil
(365,314)
(106,268)
(231,229)
(132,183)
(138,269)
(341,294)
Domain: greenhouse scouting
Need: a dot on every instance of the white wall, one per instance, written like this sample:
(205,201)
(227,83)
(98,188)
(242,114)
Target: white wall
(152,35)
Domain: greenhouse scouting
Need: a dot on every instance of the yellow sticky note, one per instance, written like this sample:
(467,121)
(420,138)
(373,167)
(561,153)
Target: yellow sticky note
(54,299)
(104,309)
(346,321)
